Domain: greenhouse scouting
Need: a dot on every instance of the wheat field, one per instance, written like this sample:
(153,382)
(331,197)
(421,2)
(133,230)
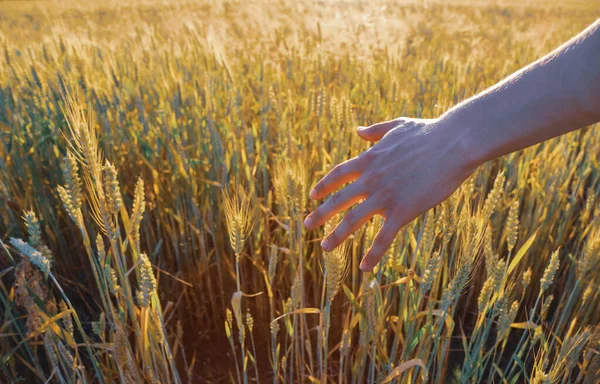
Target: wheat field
(155,164)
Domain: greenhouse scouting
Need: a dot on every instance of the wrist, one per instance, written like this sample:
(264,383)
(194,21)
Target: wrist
(461,135)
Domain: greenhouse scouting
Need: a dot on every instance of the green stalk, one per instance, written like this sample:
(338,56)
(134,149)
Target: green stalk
(241,326)
(518,348)
(568,308)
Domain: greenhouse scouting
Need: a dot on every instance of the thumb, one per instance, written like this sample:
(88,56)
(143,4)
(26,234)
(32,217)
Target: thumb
(376,131)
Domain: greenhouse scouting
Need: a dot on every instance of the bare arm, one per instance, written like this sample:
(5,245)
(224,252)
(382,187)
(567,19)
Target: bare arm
(418,163)
(554,95)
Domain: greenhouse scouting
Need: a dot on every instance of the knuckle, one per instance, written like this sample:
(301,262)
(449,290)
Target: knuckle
(377,247)
(378,251)
(374,253)
(348,164)
(388,190)
(337,170)
(389,237)
(350,219)
(333,237)
(334,173)
(374,177)
(386,237)
(336,197)
(387,196)
(394,215)
(317,215)
(406,121)
(367,156)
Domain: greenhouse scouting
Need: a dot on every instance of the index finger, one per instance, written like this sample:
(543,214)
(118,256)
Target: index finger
(341,174)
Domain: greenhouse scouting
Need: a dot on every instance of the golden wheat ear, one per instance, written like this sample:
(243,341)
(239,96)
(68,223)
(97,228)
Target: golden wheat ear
(336,268)
(239,218)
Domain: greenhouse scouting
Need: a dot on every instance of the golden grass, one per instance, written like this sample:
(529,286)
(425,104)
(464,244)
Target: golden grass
(130,253)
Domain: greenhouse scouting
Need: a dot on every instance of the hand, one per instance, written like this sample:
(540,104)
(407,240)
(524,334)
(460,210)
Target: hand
(416,165)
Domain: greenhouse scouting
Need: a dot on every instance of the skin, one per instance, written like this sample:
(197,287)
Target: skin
(418,163)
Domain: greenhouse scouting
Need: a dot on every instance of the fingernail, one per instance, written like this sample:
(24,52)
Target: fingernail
(360,128)
(325,244)
(307,222)
(313,194)
(363,266)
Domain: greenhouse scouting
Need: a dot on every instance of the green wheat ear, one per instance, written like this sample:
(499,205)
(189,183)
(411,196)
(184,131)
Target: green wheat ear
(34,256)
(137,212)
(33,228)
(430,273)
(147,281)
(112,190)
(550,271)
(512,225)
(238,217)
(494,196)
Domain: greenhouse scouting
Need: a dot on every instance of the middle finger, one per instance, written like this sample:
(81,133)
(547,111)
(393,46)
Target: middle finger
(337,202)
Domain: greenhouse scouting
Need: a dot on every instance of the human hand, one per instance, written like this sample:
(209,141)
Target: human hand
(416,165)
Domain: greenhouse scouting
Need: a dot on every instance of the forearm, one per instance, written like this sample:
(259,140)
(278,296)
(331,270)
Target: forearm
(552,96)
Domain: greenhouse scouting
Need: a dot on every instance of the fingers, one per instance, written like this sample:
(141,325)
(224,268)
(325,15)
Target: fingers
(376,131)
(334,204)
(339,175)
(381,244)
(350,223)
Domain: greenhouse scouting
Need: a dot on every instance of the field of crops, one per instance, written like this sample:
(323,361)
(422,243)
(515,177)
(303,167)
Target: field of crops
(155,164)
